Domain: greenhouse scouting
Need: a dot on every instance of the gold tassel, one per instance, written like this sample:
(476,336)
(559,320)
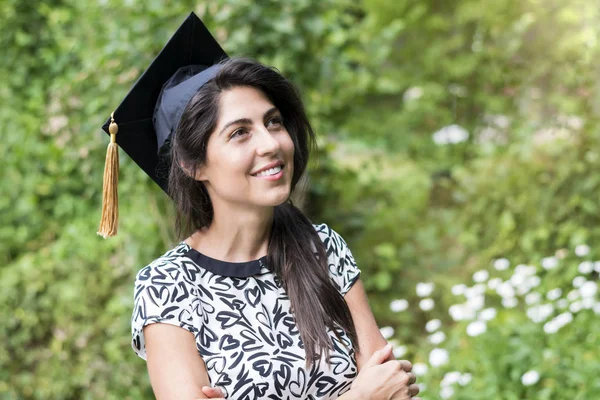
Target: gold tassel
(110,197)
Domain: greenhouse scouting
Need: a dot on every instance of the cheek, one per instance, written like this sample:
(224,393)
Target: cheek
(229,164)
(288,145)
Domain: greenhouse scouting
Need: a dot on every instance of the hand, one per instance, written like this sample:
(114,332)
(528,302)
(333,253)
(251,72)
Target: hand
(406,367)
(382,378)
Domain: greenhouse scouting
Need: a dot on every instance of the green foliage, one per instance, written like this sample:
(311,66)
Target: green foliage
(379,78)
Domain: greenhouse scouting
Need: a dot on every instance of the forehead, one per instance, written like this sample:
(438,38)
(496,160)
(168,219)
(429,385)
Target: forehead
(242,102)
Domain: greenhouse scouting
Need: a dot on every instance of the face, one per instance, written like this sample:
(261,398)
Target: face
(250,155)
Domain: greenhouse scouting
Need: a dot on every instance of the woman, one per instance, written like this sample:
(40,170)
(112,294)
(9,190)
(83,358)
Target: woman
(256,300)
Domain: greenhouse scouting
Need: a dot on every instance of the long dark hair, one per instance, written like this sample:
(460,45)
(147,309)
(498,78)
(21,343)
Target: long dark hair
(296,254)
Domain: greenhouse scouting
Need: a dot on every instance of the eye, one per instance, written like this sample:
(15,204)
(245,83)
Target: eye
(238,132)
(275,121)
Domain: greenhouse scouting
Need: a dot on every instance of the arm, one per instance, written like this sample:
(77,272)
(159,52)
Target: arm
(176,370)
(370,338)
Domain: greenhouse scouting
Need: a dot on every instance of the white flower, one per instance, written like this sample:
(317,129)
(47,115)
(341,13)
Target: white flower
(530,378)
(465,379)
(533,298)
(597,308)
(479,288)
(437,337)
(450,378)
(387,332)
(461,312)
(419,369)
(426,304)
(564,318)
(525,270)
(597,266)
(505,289)
(523,289)
(575,307)
(540,312)
(573,121)
(549,262)
(588,289)
(573,295)
(561,253)
(533,281)
(517,279)
(412,93)
(494,283)
(398,305)
(399,351)
(588,303)
(424,289)
(509,302)
(585,267)
(446,392)
(582,250)
(558,322)
(456,312)
(433,325)
(554,294)
(450,134)
(487,314)
(476,328)
(562,304)
(459,289)
(578,281)
(500,120)
(481,276)
(475,303)
(550,327)
(438,357)
(501,264)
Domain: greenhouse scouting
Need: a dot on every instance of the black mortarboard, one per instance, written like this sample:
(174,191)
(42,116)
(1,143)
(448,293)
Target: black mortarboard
(150,112)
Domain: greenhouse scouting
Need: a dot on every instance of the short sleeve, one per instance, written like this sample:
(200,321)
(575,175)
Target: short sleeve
(342,266)
(161,294)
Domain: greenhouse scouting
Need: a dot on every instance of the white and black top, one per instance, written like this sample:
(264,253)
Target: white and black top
(240,316)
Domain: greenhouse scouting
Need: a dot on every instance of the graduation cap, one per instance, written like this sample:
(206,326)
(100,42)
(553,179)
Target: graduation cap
(147,117)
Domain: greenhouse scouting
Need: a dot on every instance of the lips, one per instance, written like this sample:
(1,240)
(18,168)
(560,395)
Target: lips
(267,167)
(271,172)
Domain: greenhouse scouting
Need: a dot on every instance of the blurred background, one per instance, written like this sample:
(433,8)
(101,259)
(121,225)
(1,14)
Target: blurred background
(459,158)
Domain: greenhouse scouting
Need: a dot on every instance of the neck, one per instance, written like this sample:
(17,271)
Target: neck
(235,235)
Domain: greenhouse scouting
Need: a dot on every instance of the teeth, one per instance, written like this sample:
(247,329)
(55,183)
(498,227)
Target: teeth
(271,171)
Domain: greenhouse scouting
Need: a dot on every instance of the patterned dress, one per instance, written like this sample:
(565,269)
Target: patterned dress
(240,316)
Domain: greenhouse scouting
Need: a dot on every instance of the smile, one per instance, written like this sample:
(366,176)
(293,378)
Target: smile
(271,174)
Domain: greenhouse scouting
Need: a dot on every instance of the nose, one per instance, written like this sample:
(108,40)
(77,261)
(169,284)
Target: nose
(266,143)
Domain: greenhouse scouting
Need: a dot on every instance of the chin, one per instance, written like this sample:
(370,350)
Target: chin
(275,199)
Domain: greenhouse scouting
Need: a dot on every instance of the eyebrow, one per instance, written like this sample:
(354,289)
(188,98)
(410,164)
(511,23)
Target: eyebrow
(247,121)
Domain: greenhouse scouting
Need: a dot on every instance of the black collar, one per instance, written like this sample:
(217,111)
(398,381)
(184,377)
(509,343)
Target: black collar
(226,268)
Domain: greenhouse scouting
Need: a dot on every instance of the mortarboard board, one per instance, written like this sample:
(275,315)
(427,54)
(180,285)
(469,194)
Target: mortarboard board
(144,121)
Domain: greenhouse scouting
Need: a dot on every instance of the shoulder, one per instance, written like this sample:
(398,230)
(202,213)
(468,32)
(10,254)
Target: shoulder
(333,241)
(341,264)
(168,268)
(326,232)
(164,293)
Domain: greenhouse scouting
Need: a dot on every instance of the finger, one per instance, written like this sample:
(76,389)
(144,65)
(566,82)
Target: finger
(406,365)
(412,378)
(212,392)
(413,389)
(379,356)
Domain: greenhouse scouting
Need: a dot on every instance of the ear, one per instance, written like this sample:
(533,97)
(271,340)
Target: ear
(199,173)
